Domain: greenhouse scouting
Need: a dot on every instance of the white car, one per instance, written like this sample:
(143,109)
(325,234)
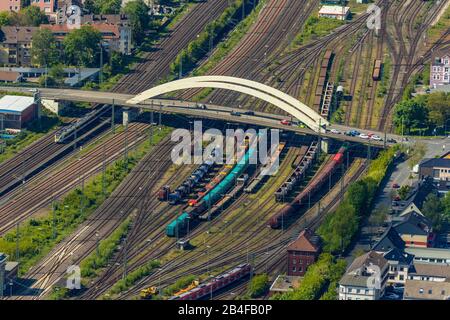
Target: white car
(375,137)
(335,131)
(364,136)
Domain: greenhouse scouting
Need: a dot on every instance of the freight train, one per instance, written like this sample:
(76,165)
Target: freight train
(185,188)
(376,74)
(215,284)
(322,82)
(291,209)
(207,201)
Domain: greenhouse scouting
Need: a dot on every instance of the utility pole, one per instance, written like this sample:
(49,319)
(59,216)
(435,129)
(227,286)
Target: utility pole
(126,144)
(17,241)
(101,62)
(125,259)
(112,116)
(104,171)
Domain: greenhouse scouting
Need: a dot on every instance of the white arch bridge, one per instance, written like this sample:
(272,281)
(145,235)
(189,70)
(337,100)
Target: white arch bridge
(271,95)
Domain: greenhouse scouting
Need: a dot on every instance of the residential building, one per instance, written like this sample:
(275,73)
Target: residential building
(48,6)
(365,279)
(440,68)
(415,198)
(116,37)
(399,264)
(302,252)
(430,255)
(415,230)
(10,5)
(426,290)
(15,50)
(429,272)
(284,283)
(16,111)
(388,241)
(334,12)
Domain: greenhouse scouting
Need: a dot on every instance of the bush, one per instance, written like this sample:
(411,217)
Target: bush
(133,277)
(179,284)
(258,286)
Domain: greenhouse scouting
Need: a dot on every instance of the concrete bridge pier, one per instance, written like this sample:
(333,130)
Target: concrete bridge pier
(324,144)
(128,115)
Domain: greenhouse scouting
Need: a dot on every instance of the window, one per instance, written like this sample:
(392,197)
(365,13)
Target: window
(430,291)
(443,292)
(401,277)
(294,269)
(294,261)
(358,290)
(421,290)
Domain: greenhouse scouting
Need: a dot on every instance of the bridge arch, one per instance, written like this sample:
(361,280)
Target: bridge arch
(264,92)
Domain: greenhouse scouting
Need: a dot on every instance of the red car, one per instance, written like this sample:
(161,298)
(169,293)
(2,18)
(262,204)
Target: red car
(395,186)
(285,122)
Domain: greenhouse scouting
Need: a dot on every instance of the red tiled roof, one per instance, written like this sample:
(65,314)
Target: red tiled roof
(306,241)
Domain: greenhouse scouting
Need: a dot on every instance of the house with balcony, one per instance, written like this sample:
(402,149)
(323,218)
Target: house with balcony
(440,68)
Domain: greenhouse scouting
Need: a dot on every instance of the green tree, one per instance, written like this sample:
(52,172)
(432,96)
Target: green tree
(378,217)
(89,5)
(44,51)
(82,46)
(410,114)
(403,192)
(137,12)
(416,154)
(5,18)
(57,73)
(107,6)
(433,209)
(258,286)
(438,104)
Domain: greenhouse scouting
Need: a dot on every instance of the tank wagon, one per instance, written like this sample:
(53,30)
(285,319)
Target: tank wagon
(215,284)
(207,201)
(185,188)
(291,209)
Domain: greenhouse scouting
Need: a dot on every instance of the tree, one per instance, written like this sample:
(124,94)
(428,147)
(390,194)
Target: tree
(44,51)
(107,6)
(258,285)
(32,16)
(57,73)
(5,18)
(410,114)
(433,209)
(82,46)
(378,217)
(416,154)
(89,5)
(438,104)
(403,192)
(137,12)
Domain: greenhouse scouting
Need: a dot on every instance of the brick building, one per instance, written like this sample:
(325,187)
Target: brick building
(302,252)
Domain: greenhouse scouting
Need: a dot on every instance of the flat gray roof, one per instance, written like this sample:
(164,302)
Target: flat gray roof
(433,253)
(15,104)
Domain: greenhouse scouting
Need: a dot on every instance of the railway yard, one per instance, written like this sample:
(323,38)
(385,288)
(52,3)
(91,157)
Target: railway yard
(99,209)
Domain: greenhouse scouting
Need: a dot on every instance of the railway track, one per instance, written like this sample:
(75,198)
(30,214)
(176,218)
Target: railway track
(156,64)
(124,202)
(40,192)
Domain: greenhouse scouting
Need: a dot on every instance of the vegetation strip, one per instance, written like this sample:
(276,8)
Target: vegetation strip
(337,232)
(37,236)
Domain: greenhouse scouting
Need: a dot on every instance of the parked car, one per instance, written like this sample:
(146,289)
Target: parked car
(364,136)
(249,113)
(285,122)
(376,137)
(352,133)
(235,113)
(395,186)
(392,296)
(390,140)
(201,106)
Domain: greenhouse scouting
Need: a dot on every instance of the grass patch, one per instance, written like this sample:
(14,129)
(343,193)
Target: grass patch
(315,27)
(98,259)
